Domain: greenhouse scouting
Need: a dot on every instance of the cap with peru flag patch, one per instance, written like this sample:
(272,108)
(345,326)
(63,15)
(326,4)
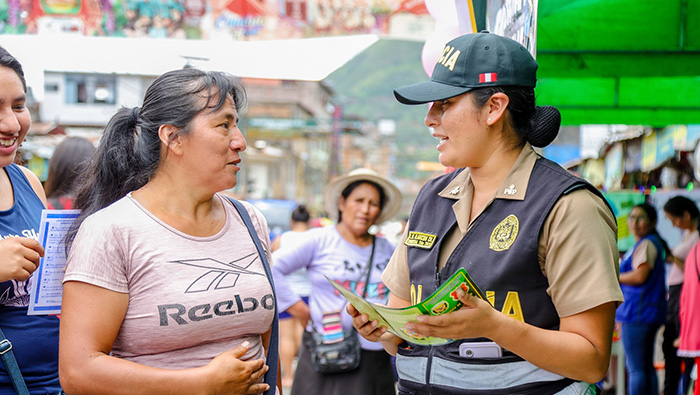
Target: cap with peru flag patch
(473,61)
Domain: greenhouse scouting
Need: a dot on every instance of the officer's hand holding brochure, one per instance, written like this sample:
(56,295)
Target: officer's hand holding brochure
(443,300)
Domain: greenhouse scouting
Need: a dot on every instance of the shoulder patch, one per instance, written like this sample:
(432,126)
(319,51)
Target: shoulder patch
(420,240)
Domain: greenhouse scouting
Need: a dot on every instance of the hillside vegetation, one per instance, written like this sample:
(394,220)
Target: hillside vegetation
(365,86)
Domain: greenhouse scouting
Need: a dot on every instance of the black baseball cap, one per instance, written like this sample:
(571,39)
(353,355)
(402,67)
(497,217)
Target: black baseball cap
(471,61)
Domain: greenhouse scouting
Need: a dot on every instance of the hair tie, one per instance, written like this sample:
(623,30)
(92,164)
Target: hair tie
(544,126)
(135,113)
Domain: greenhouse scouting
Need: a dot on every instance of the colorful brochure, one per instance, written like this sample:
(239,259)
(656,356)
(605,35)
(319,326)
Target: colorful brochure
(443,300)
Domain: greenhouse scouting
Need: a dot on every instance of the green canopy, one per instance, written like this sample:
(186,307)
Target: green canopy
(620,61)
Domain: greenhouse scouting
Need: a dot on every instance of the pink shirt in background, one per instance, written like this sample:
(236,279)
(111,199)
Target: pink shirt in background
(675,274)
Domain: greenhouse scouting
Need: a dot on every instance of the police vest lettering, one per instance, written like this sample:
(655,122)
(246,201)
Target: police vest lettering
(448,58)
(181,315)
(511,306)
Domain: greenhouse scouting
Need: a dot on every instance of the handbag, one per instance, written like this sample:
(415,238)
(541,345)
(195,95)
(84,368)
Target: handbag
(342,356)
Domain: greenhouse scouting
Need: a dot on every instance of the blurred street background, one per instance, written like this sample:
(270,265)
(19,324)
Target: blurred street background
(625,75)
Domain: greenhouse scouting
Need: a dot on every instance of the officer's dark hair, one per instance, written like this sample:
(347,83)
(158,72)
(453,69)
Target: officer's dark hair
(534,124)
(129,151)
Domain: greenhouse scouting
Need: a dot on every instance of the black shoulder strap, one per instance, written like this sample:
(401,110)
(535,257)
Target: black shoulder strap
(369,265)
(273,348)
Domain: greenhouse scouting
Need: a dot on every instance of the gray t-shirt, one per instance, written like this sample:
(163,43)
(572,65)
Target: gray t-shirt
(190,298)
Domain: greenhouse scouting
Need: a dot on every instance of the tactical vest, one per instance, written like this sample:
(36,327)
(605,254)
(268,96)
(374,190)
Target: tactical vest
(500,254)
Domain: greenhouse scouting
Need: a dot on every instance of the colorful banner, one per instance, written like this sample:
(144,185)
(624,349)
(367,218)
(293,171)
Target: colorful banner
(685,137)
(659,147)
(215,19)
(614,163)
(515,19)
(60,7)
(622,203)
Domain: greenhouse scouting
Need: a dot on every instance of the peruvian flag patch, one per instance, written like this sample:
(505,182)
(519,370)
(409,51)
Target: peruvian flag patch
(487,77)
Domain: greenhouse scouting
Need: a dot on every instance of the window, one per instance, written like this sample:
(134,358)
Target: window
(91,89)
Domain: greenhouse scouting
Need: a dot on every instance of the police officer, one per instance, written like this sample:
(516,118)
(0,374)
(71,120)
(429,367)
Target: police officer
(539,241)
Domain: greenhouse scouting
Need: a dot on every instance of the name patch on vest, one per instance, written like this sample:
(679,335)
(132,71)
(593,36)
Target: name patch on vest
(420,240)
(504,234)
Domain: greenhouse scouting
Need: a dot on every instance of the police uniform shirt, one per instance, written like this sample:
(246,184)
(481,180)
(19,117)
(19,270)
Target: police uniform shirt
(579,222)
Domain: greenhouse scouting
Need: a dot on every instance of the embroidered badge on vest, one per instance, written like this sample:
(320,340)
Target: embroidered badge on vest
(420,240)
(504,234)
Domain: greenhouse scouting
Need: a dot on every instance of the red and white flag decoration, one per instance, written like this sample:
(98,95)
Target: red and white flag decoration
(487,77)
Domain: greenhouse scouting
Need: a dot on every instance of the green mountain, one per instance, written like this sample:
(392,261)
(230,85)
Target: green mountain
(365,85)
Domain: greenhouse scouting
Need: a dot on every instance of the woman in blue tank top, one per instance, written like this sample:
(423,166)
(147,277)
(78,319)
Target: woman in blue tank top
(34,338)
(644,308)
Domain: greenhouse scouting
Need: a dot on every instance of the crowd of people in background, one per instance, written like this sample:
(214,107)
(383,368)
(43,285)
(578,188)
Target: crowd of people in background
(171,286)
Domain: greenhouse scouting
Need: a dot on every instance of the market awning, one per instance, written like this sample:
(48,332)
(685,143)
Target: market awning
(310,59)
(620,61)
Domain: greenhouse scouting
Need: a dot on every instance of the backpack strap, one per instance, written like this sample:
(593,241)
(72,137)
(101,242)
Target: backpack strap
(272,350)
(8,357)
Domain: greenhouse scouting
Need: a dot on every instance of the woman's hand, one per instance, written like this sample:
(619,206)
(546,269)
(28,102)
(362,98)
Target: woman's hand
(91,318)
(300,310)
(370,330)
(19,258)
(474,319)
(229,375)
(676,261)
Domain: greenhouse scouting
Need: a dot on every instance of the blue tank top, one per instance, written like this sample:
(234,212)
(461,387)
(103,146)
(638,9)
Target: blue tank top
(34,338)
(644,303)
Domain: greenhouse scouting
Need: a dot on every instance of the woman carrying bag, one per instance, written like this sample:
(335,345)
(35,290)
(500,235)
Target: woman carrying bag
(166,287)
(349,255)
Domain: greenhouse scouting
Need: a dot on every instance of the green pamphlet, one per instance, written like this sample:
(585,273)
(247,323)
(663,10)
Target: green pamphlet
(443,300)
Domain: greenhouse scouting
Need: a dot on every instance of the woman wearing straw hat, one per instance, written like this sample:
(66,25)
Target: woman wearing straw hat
(540,242)
(349,255)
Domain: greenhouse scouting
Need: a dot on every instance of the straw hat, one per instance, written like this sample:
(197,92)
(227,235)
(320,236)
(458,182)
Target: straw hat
(392,202)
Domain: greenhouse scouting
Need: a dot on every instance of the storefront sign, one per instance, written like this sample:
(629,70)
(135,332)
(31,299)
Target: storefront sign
(613,167)
(515,19)
(657,148)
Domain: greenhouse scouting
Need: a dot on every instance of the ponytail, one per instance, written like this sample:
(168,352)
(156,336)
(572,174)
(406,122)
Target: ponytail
(123,162)
(667,249)
(129,152)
